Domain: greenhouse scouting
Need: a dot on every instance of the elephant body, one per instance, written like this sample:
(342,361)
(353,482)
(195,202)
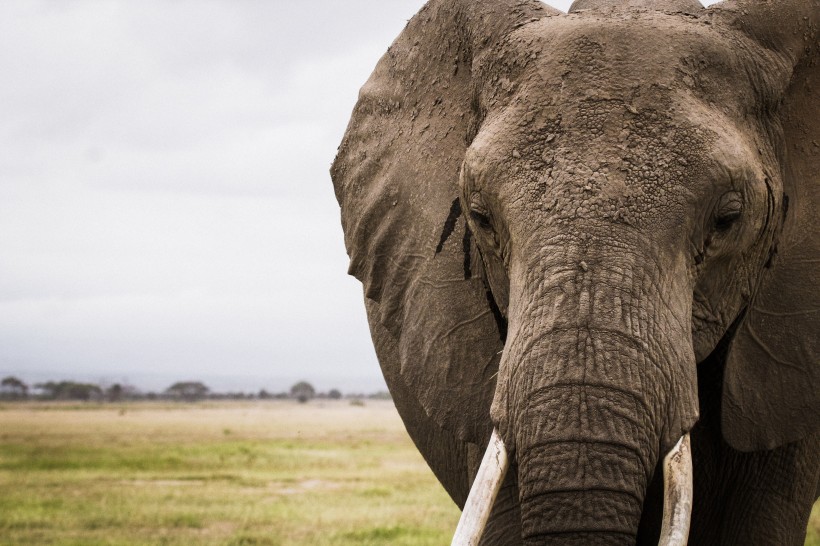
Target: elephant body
(758,497)
(597,232)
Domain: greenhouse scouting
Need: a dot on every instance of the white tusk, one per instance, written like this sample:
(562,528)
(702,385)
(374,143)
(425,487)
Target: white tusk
(483,493)
(677,494)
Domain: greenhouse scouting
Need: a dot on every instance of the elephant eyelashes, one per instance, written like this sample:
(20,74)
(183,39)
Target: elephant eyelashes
(729,211)
(480,217)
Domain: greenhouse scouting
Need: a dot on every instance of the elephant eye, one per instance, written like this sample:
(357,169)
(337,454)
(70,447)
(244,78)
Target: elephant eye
(728,211)
(480,216)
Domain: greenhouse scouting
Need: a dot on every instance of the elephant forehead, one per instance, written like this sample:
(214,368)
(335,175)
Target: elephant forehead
(631,57)
(645,171)
(616,119)
(617,56)
(604,161)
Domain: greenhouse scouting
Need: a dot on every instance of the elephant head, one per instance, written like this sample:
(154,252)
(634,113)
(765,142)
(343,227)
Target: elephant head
(556,217)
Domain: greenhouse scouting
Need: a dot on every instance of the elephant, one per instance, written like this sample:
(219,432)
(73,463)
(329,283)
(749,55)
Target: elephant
(591,241)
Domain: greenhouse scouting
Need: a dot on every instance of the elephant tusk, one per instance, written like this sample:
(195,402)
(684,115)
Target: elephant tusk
(677,494)
(482,495)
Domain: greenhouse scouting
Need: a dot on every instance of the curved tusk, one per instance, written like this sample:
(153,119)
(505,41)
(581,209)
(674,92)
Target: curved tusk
(482,494)
(677,494)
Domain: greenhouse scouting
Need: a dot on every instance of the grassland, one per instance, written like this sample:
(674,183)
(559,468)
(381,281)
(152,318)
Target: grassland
(238,474)
(273,473)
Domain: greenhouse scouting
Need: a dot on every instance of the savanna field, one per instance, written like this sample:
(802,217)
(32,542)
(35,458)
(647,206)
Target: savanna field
(267,473)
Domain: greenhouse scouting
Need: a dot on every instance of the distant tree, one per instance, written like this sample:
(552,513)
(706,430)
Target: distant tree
(11,387)
(189,391)
(334,394)
(82,391)
(264,395)
(115,392)
(130,392)
(46,390)
(70,390)
(302,391)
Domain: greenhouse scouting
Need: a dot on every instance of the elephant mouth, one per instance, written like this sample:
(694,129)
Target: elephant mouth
(677,496)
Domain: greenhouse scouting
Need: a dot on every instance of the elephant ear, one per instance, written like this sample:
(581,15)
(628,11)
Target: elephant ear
(396,180)
(771,390)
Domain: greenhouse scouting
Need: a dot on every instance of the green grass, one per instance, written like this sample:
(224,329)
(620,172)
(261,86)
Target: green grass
(237,474)
(813,535)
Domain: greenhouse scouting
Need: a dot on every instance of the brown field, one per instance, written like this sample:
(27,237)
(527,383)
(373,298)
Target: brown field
(271,473)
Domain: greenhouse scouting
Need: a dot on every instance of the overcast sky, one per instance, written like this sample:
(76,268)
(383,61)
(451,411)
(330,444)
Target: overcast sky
(165,205)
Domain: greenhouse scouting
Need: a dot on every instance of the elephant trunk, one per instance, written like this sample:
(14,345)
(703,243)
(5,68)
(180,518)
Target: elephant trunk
(677,497)
(599,386)
(586,450)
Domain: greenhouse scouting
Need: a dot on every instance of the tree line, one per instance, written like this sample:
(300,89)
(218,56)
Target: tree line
(13,389)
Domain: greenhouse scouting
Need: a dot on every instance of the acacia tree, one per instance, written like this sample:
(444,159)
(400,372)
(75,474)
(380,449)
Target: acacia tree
(189,391)
(334,394)
(13,388)
(115,392)
(302,391)
(70,390)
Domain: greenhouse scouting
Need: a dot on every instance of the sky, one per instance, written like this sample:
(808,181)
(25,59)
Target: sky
(166,211)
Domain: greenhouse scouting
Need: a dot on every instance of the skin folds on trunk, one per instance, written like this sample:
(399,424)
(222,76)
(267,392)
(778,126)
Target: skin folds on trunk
(586,449)
(677,498)
(596,393)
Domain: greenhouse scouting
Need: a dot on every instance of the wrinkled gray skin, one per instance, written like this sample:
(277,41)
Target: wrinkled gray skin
(597,231)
